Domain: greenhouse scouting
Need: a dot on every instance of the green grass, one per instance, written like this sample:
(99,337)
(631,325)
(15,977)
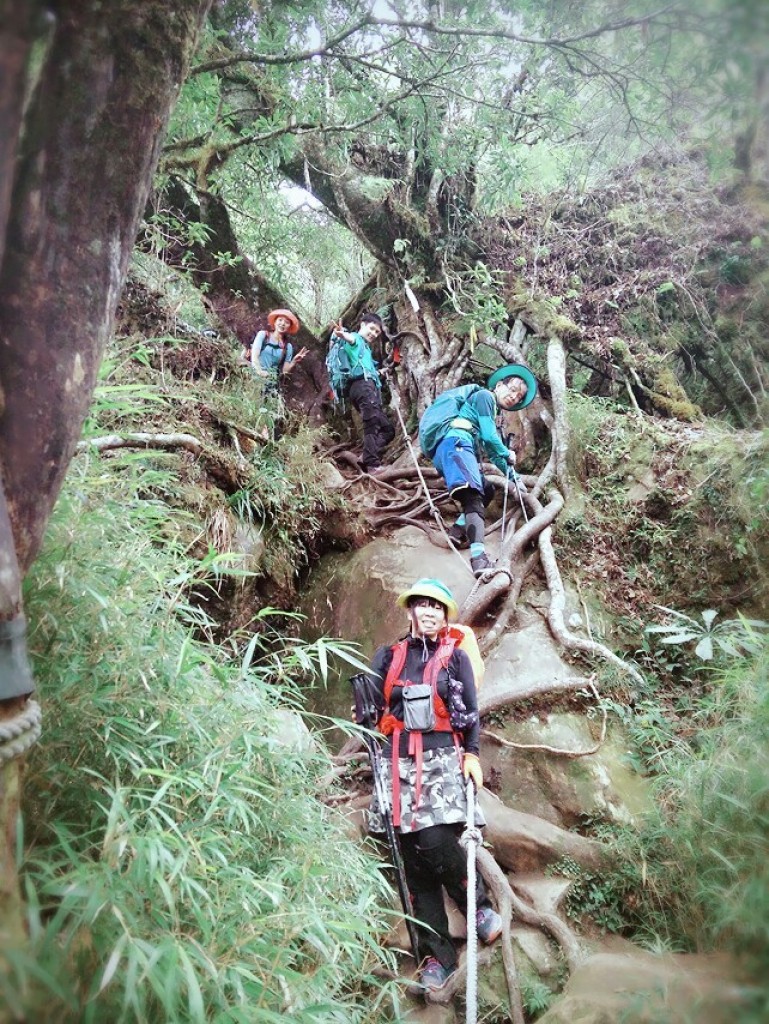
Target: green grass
(176,863)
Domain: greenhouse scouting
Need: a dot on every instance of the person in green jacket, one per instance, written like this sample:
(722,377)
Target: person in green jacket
(356,377)
(455,429)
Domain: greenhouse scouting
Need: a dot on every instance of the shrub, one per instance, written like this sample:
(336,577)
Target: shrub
(178,865)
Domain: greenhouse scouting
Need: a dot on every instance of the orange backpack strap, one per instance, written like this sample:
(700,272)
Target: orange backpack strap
(389,722)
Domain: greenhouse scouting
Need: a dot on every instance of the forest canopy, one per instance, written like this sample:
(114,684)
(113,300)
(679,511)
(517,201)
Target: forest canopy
(420,140)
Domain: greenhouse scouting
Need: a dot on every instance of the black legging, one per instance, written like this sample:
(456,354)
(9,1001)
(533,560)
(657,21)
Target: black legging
(435,861)
(377,429)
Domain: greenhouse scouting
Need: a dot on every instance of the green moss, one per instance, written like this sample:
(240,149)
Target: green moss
(541,313)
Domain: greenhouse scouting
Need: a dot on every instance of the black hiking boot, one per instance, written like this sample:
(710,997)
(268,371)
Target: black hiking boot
(458,536)
(434,975)
(481,565)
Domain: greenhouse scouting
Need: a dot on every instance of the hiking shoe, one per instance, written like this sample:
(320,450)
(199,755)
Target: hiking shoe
(480,565)
(434,975)
(488,925)
(458,536)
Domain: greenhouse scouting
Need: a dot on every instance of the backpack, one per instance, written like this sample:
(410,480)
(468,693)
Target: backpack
(271,344)
(437,418)
(469,644)
(338,370)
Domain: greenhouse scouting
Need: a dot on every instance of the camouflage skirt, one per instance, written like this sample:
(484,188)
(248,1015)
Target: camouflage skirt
(443,800)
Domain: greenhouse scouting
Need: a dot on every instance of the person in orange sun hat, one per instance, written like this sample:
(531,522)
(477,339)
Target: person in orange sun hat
(272,354)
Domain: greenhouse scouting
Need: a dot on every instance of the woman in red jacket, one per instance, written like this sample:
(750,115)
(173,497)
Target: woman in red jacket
(430,722)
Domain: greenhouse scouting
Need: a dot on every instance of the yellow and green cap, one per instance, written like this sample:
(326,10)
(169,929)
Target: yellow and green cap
(430,588)
(516,370)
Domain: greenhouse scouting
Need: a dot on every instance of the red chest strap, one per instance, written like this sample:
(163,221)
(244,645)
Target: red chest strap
(389,725)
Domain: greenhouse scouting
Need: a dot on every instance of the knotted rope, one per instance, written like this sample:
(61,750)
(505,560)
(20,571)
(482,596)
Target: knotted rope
(471,839)
(20,733)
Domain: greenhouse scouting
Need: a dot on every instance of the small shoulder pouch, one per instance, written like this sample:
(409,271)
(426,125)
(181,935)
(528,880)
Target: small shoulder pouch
(461,719)
(418,708)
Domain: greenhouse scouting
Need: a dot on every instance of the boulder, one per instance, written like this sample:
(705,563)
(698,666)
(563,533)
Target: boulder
(524,843)
(624,983)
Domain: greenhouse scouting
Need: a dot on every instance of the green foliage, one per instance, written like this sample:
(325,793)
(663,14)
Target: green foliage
(280,485)
(732,637)
(474,295)
(598,896)
(705,852)
(177,866)
(536,996)
(678,510)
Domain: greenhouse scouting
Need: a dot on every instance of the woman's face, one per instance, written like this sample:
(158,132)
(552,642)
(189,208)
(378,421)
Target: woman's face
(428,617)
(510,392)
(282,324)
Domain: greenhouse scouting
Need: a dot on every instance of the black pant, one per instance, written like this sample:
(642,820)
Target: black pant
(377,429)
(435,861)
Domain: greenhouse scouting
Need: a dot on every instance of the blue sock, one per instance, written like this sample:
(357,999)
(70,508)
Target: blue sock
(476,550)
(460,520)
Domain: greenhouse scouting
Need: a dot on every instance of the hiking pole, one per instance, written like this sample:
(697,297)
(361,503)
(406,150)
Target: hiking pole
(520,498)
(471,838)
(366,715)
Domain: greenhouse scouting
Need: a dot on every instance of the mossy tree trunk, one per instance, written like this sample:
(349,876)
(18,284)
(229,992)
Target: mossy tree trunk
(237,294)
(71,194)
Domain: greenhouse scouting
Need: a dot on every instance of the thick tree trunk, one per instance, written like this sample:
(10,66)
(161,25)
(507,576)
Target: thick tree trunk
(91,140)
(16,35)
(237,294)
(91,135)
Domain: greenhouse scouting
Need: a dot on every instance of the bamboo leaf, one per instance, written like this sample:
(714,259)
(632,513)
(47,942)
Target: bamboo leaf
(113,963)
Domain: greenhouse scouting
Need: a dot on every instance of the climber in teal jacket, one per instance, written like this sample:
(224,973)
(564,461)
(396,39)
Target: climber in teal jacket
(353,374)
(451,429)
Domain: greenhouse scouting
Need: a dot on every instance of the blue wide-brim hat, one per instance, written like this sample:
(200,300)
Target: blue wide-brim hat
(516,370)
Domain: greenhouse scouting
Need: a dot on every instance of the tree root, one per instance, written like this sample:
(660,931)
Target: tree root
(505,893)
(560,752)
(492,636)
(142,440)
(572,684)
(229,475)
(510,558)
(556,369)
(505,897)
(555,613)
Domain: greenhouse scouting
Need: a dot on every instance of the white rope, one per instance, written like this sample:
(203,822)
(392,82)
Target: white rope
(20,733)
(504,504)
(471,838)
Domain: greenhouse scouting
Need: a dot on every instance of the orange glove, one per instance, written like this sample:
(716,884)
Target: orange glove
(472,770)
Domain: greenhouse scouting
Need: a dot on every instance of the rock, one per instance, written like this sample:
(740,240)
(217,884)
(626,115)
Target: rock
(247,540)
(575,621)
(564,790)
(525,663)
(545,893)
(536,947)
(524,843)
(329,476)
(431,1013)
(641,484)
(637,987)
